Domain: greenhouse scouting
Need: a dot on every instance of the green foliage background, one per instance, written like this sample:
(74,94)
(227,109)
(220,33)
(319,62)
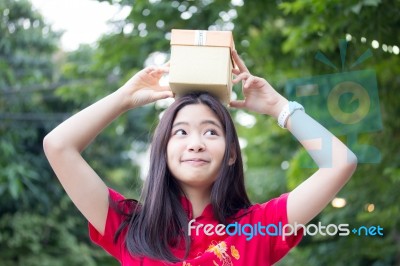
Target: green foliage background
(41,85)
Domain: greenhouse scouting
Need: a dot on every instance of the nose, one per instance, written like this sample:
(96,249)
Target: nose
(195,143)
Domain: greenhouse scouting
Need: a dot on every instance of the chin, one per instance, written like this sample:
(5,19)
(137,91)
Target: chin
(196,183)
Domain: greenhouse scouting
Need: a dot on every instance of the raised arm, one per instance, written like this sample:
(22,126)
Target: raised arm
(63,145)
(335,161)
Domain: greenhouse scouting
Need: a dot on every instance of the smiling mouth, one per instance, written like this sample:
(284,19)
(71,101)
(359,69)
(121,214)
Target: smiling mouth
(195,161)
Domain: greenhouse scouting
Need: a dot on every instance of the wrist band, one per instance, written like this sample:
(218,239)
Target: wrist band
(287,111)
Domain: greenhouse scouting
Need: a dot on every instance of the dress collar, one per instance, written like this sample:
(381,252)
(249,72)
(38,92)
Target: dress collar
(187,206)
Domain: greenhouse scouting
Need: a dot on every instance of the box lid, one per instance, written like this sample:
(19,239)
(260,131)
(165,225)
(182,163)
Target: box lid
(202,38)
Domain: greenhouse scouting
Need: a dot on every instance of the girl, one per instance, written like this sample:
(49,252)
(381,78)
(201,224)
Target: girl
(194,205)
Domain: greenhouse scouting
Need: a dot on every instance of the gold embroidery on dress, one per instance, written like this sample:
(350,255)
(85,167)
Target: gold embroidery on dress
(235,252)
(220,250)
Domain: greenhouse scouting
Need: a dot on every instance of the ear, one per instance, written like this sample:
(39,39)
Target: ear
(232,157)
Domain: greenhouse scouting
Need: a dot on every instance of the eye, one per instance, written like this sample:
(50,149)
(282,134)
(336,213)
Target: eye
(211,132)
(180,132)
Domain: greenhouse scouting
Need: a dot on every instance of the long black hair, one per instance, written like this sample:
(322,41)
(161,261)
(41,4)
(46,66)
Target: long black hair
(158,222)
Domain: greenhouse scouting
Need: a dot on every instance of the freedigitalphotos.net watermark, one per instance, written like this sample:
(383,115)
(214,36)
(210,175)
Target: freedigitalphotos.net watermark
(346,102)
(282,230)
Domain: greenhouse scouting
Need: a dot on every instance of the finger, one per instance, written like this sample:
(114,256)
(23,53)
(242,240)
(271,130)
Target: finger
(164,68)
(157,73)
(159,70)
(249,81)
(235,71)
(149,69)
(239,62)
(241,77)
(239,104)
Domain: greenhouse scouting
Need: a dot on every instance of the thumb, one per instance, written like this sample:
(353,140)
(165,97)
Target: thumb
(240,104)
(162,95)
(164,88)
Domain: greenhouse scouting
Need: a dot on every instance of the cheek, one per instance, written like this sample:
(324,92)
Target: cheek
(219,150)
(172,150)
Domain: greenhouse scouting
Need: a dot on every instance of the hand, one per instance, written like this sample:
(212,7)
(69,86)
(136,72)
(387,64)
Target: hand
(259,96)
(144,87)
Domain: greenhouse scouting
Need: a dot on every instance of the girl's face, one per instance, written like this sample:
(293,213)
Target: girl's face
(196,147)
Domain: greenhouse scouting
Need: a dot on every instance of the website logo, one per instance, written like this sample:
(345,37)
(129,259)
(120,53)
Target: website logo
(281,230)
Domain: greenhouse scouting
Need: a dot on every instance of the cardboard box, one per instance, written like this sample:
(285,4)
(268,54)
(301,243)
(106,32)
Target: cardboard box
(201,61)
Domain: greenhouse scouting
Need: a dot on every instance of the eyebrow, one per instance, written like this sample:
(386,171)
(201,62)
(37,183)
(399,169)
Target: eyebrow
(202,123)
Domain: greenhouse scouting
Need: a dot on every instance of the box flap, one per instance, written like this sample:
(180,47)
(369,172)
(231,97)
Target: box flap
(202,37)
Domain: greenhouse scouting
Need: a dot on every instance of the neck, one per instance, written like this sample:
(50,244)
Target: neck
(199,198)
